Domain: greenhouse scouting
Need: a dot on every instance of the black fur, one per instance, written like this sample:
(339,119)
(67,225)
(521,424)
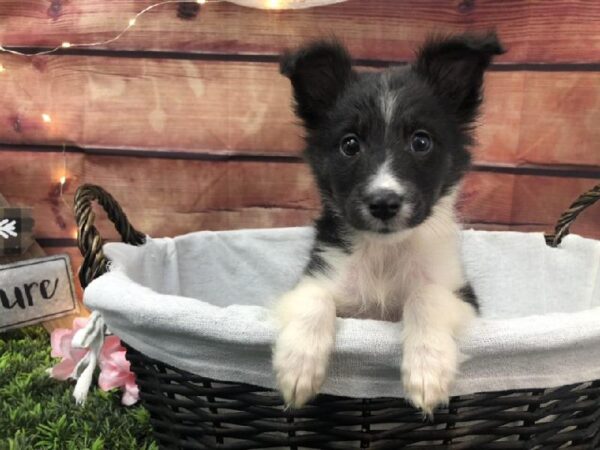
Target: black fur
(454,67)
(329,233)
(319,73)
(468,295)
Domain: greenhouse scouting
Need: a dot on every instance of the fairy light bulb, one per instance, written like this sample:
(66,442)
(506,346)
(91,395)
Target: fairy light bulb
(63,180)
(65,45)
(274,4)
(201,2)
(2,68)
(46,118)
(131,22)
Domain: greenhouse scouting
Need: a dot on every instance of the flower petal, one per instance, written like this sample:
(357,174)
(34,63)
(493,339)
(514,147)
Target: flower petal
(107,382)
(55,341)
(80,322)
(62,370)
(111,344)
(131,394)
(120,360)
(110,378)
(76,354)
(64,344)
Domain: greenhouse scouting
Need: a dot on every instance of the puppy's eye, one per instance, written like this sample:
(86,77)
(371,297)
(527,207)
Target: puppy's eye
(350,145)
(421,142)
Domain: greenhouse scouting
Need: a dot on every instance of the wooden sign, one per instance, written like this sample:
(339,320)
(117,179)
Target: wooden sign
(36,290)
(16,226)
(35,251)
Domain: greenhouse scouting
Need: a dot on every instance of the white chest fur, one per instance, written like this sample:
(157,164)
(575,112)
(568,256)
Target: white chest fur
(381,272)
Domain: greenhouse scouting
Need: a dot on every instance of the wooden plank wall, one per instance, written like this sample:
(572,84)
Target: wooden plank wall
(188,123)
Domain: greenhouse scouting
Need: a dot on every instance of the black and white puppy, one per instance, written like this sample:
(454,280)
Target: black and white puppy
(388,150)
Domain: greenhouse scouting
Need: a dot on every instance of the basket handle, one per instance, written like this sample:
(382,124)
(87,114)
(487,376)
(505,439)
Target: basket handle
(88,238)
(561,229)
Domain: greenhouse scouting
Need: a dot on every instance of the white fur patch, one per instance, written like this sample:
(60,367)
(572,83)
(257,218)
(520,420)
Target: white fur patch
(387,100)
(385,179)
(382,271)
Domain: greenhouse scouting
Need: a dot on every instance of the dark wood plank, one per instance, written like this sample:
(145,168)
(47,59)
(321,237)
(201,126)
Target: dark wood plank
(534,31)
(171,197)
(235,107)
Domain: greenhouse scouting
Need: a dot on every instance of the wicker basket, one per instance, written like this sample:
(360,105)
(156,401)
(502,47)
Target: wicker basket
(191,411)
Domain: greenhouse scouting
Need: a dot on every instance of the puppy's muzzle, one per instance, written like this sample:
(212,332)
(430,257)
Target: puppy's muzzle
(384,204)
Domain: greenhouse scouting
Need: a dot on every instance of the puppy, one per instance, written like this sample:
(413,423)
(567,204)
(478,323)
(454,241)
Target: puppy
(388,150)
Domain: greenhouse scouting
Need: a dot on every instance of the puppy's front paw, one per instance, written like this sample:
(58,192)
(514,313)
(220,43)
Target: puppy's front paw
(300,368)
(427,373)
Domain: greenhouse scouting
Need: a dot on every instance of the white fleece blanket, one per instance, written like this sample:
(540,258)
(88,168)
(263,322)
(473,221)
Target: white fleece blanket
(200,302)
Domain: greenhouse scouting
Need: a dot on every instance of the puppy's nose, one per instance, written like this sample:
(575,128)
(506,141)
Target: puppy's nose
(384,205)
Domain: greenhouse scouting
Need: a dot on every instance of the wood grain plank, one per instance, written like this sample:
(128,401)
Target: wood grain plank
(171,197)
(525,202)
(534,31)
(162,197)
(560,119)
(235,107)
(172,105)
(548,197)
(32,179)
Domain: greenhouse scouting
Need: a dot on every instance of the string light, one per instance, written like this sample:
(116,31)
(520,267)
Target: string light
(269,4)
(2,69)
(46,118)
(132,22)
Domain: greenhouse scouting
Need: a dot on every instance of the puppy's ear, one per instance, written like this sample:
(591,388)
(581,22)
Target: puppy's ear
(454,67)
(319,72)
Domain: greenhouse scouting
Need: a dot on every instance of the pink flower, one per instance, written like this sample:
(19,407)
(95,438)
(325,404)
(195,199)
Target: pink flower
(60,340)
(115,371)
(114,368)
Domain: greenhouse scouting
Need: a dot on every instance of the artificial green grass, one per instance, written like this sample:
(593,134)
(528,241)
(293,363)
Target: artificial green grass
(38,412)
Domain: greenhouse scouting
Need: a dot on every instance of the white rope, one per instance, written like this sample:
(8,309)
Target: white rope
(90,337)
